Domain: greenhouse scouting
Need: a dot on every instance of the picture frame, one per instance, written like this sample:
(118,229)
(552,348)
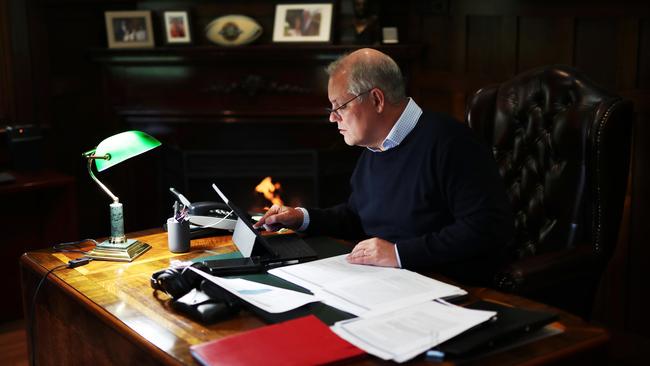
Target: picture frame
(129,29)
(177,27)
(303,22)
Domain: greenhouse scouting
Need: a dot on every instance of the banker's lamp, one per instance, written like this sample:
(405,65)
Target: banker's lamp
(109,152)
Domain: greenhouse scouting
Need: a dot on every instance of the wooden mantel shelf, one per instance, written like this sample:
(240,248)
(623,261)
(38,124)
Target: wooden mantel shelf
(303,52)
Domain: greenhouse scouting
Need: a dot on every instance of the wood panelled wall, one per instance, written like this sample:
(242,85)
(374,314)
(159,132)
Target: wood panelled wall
(475,43)
(6,104)
(48,77)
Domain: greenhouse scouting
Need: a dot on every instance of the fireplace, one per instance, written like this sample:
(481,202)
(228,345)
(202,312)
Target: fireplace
(308,177)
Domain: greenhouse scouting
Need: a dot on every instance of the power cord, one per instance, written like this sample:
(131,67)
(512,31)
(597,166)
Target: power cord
(212,224)
(73,263)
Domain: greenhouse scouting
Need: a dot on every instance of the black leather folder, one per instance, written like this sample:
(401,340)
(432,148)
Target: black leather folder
(325,247)
(509,325)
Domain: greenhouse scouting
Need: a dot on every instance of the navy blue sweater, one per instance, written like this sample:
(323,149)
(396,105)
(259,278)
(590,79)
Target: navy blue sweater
(438,196)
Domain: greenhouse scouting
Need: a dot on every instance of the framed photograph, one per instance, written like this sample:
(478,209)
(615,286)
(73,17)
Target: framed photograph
(129,29)
(177,27)
(302,23)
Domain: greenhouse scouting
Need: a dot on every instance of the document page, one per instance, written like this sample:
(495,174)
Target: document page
(364,290)
(403,334)
(390,290)
(334,269)
(268,298)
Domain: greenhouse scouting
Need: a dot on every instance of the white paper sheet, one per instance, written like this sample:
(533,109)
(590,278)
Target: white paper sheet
(405,333)
(268,298)
(329,270)
(364,290)
(391,290)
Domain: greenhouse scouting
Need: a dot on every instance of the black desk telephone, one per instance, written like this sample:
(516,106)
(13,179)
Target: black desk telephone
(207,217)
(210,208)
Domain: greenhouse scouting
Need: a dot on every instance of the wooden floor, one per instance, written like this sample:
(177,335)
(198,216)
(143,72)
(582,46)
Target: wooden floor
(13,344)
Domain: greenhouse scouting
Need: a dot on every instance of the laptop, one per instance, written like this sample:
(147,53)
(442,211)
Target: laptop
(275,249)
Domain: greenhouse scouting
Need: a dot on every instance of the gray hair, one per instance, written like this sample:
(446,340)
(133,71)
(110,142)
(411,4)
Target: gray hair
(382,73)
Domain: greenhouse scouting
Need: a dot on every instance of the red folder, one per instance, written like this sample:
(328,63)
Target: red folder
(302,341)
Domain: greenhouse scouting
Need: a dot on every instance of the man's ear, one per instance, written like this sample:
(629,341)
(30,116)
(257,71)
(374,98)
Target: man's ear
(378,99)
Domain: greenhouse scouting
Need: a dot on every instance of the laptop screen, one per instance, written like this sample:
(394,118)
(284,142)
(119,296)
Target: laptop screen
(244,235)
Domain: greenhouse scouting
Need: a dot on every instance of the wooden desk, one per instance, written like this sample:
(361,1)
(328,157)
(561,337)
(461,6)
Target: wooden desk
(39,209)
(106,313)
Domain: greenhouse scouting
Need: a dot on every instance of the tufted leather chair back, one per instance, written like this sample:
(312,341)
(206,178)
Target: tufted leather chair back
(562,145)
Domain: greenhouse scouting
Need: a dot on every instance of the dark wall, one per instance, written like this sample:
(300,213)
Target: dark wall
(6,102)
(57,72)
(475,43)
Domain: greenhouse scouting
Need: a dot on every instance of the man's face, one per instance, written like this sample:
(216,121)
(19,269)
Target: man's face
(353,120)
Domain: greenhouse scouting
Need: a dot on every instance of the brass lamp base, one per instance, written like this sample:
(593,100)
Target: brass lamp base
(123,252)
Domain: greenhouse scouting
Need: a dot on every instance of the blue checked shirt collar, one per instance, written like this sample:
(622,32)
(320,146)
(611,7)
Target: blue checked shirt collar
(404,125)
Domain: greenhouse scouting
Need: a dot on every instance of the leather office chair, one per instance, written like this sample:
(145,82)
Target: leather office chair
(562,145)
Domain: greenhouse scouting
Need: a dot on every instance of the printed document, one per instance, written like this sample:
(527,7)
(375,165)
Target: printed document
(405,333)
(268,298)
(364,290)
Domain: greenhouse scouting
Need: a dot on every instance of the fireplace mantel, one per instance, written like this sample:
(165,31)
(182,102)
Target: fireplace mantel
(199,88)
(305,52)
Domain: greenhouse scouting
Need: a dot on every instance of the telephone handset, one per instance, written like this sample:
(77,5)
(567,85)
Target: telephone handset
(207,214)
(209,208)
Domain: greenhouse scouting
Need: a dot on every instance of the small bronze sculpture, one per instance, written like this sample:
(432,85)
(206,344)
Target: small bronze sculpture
(366,24)
(363,27)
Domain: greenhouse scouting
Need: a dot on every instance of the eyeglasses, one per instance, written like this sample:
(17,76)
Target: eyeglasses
(342,106)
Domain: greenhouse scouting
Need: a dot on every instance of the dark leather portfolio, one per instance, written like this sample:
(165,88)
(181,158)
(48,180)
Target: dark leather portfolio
(510,323)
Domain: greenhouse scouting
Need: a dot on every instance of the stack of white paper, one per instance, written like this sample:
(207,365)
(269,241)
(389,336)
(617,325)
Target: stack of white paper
(405,333)
(268,298)
(364,290)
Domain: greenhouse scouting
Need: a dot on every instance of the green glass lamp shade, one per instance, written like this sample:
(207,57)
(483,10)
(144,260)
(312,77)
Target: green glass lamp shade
(123,146)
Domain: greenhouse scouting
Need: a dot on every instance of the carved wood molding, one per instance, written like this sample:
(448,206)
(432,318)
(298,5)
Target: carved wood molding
(253,85)
(166,116)
(305,53)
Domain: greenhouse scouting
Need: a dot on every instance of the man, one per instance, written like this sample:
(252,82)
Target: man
(310,23)
(426,193)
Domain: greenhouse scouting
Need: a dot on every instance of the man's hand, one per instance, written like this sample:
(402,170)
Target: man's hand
(278,217)
(374,251)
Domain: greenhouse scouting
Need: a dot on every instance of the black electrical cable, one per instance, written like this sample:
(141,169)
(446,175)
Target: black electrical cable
(32,311)
(71,264)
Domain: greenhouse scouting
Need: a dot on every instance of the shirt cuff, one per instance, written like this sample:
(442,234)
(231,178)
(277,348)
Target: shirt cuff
(305,219)
(399,262)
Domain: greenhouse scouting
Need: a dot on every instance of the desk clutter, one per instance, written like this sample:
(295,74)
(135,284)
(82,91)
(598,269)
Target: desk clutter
(391,313)
(205,217)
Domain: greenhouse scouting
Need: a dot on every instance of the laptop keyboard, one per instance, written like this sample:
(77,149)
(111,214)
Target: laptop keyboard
(290,246)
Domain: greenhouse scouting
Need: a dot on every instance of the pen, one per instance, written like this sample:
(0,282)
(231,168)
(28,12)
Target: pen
(180,212)
(183,214)
(282,263)
(180,196)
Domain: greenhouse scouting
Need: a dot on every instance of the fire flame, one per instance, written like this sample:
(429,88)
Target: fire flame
(268,189)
